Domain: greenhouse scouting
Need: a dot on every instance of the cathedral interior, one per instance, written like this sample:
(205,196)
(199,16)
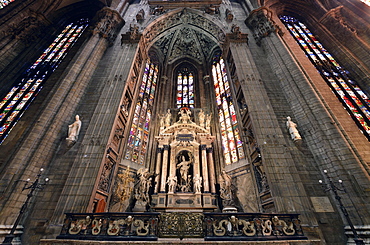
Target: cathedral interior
(217,120)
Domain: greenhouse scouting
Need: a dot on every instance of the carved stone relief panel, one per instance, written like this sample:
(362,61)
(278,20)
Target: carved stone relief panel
(122,190)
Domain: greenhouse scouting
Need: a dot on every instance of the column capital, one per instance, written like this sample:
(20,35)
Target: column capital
(108,24)
(261,23)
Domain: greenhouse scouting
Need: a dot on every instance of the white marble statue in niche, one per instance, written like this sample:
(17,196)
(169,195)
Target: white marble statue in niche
(184,167)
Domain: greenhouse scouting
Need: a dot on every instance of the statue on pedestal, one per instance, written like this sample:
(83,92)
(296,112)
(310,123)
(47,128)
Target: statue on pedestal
(185,114)
(184,166)
(167,120)
(197,181)
(292,127)
(208,120)
(201,117)
(74,129)
(172,183)
(225,190)
(142,189)
(162,121)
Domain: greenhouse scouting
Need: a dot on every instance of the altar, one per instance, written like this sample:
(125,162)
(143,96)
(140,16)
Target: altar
(185,172)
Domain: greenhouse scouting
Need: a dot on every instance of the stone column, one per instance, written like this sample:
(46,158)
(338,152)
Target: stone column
(204,168)
(211,170)
(164,168)
(82,182)
(196,165)
(172,167)
(158,169)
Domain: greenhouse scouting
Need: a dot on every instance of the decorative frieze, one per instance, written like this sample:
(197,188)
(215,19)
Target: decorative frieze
(110,226)
(249,227)
(210,226)
(106,176)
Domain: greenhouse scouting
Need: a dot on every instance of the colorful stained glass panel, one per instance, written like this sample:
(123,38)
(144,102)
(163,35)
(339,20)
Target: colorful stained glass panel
(231,143)
(348,92)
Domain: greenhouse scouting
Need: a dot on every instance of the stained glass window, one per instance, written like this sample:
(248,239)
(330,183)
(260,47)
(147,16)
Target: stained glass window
(139,132)
(231,142)
(185,88)
(354,99)
(13,105)
(4,3)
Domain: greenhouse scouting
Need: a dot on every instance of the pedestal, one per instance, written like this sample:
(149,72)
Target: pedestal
(139,207)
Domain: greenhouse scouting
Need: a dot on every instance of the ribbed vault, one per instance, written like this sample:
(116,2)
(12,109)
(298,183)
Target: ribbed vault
(184,34)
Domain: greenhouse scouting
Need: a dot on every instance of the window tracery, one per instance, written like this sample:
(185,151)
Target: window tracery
(231,142)
(185,88)
(139,132)
(14,104)
(354,99)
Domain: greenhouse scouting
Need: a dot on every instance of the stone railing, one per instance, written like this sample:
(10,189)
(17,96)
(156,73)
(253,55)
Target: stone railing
(252,227)
(110,226)
(212,226)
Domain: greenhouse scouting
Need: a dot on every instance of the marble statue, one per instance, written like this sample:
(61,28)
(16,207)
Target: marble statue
(225,189)
(197,180)
(167,120)
(143,185)
(161,120)
(208,120)
(201,117)
(185,114)
(172,183)
(74,129)
(184,168)
(292,127)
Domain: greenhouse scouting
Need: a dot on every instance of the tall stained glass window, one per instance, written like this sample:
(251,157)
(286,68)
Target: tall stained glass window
(13,105)
(139,132)
(4,3)
(348,92)
(185,88)
(231,142)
